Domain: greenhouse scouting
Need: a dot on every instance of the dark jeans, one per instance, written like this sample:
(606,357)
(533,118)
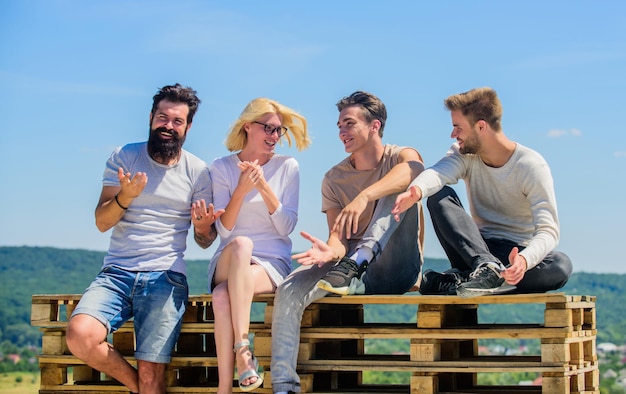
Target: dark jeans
(467,249)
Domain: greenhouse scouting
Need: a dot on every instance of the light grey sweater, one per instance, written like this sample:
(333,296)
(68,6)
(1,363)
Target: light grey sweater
(515,202)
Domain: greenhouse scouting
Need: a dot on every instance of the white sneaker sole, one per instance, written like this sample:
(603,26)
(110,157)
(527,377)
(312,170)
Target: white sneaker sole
(469,293)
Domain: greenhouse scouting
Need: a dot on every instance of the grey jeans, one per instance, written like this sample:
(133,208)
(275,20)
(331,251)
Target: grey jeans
(394,270)
(466,249)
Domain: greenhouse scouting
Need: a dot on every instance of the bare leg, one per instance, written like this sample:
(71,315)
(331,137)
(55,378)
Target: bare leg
(151,377)
(224,338)
(238,281)
(86,339)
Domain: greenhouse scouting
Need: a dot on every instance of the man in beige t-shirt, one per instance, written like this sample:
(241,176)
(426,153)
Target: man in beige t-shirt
(367,251)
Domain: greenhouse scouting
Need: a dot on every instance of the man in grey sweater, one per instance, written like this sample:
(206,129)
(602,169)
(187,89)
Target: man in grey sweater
(507,244)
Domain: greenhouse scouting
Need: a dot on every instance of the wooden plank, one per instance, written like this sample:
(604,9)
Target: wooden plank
(463,366)
(48,298)
(482,331)
(415,298)
(409,298)
(96,389)
(117,389)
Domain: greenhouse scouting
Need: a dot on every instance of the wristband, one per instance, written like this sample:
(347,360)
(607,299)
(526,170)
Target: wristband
(118,203)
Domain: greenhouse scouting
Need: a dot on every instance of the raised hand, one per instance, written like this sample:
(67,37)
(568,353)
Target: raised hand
(203,218)
(201,214)
(132,185)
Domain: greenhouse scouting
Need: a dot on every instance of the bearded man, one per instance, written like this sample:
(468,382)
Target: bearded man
(506,243)
(152,191)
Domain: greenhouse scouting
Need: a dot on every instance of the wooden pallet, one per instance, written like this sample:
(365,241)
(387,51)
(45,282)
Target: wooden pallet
(441,354)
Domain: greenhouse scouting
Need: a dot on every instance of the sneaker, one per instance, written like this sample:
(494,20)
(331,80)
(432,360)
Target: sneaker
(484,280)
(441,283)
(339,278)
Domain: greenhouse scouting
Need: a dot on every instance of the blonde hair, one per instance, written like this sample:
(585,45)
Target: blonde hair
(294,122)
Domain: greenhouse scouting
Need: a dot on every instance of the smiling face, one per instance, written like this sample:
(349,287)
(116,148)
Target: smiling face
(354,131)
(168,130)
(465,134)
(258,139)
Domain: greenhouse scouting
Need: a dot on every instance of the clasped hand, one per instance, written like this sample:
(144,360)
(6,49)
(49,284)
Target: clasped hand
(251,175)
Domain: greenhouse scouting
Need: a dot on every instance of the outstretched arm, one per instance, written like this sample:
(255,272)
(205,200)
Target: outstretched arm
(405,200)
(323,252)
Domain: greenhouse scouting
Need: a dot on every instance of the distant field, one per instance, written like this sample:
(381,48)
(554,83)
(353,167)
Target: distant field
(19,382)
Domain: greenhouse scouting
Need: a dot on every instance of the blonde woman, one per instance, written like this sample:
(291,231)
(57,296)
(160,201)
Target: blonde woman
(259,191)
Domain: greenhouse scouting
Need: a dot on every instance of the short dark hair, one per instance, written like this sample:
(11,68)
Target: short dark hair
(373,107)
(178,94)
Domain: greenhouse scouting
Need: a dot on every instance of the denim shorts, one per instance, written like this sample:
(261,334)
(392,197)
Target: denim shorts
(155,300)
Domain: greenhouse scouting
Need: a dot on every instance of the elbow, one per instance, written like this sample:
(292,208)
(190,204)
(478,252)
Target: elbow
(416,168)
(288,228)
(102,227)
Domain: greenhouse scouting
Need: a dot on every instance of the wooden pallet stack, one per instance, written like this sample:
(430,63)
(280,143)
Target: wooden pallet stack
(441,354)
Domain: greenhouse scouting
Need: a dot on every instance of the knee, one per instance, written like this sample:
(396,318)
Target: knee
(564,268)
(83,335)
(151,374)
(445,194)
(242,243)
(73,337)
(287,301)
(281,292)
(220,300)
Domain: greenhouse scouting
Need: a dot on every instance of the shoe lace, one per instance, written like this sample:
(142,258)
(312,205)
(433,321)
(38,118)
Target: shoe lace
(345,266)
(480,271)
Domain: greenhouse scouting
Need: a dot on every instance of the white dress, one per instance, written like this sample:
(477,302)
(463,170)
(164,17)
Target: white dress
(269,233)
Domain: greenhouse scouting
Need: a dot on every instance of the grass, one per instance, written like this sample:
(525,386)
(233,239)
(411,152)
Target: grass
(19,382)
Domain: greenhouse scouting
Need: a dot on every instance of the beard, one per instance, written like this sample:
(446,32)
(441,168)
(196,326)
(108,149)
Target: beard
(471,145)
(163,150)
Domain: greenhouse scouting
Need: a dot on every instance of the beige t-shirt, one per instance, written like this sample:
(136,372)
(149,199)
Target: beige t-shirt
(343,182)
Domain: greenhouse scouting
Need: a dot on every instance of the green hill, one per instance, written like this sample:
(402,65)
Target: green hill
(25,271)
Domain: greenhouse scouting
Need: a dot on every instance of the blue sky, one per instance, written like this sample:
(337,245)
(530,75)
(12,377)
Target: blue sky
(78,79)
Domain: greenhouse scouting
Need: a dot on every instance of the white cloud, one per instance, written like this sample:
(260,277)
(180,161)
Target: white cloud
(556,133)
(620,154)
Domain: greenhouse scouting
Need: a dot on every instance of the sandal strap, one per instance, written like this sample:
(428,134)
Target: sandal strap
(242,344)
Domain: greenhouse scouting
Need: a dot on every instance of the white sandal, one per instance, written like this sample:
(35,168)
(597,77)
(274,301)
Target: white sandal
(250,373)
